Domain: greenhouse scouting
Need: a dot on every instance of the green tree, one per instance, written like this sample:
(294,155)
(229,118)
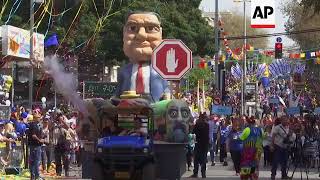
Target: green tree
(301,20)
(314,4)
(233,26)
(196,74)
(98,25)
(180,20)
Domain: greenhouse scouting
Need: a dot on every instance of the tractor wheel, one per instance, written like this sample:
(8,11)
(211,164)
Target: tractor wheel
(98,172)
(149,172)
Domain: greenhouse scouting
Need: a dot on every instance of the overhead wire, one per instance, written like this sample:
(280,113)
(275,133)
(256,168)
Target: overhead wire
(272,34)
(10,13)
(3,8)
(42,15)
(70,27)
(49,22)
(101,21)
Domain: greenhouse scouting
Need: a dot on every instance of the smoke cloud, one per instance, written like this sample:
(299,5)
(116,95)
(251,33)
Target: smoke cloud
(65,83)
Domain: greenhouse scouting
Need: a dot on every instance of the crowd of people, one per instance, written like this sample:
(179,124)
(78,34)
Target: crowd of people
(43,138)
(286,140)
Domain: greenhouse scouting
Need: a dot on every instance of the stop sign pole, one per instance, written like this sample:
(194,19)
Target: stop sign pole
(172,59)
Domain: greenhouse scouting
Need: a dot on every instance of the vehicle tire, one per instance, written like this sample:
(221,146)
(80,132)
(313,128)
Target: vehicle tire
(98,172)
(149,172)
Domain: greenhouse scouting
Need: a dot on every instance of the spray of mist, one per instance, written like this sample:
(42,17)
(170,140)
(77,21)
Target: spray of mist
(65,83)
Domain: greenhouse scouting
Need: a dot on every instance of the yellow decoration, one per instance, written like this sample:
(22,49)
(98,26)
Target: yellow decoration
(223,58)
(30,118)
(303,55)
(318,60)
(129,95)
(266,72)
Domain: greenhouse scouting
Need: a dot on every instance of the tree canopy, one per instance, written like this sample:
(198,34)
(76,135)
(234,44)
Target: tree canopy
(298,20)
(233,26)
(314,4)
(96,26)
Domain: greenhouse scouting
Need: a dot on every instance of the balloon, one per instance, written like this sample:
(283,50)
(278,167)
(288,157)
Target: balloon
(8,103)
(265,82)
(43,100)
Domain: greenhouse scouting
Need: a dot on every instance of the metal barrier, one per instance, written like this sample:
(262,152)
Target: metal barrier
(11,157)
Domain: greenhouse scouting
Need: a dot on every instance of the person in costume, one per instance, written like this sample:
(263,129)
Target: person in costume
(252,148)
(141,34)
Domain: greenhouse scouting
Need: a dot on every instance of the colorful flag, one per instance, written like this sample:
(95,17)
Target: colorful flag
(308,55)
(51,41)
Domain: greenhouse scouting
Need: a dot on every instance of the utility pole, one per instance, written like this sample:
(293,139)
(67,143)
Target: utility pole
(244,72)
(31,53)
(13,77)
(217,44)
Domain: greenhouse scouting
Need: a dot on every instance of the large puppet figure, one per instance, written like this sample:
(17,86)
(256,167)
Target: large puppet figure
(141,34)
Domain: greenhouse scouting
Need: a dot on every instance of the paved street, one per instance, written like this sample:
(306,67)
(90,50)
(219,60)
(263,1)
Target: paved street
(219,172)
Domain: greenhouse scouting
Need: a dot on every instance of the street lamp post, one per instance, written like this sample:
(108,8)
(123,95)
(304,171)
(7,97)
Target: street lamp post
(244,73)
(31,53)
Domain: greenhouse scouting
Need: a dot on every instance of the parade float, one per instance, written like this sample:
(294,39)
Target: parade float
(142,103)
(157,154)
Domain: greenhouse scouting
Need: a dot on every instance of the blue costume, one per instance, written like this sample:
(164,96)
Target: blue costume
(158,86)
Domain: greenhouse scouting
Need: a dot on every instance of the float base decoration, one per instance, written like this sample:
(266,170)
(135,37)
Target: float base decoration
(166,123)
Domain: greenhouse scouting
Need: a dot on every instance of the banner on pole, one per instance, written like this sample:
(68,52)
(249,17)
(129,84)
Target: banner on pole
(16,42)
(317,110)
(293,110)
(222,110)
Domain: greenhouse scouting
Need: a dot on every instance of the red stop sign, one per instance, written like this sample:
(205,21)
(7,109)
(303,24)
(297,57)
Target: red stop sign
(172,59)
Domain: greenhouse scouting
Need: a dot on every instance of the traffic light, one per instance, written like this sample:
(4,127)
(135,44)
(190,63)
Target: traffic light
(278,51)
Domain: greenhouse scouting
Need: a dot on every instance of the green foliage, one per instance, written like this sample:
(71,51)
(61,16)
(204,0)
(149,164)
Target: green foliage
(181,19)
(298,20)
(233,26)
(195,74)
(314,4)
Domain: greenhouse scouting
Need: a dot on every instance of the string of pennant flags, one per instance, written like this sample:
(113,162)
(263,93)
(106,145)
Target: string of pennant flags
(303,56)
(237,54)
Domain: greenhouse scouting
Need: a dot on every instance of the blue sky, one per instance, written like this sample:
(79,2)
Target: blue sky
(229,5)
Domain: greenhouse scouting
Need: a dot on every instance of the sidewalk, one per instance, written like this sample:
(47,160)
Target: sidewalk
(219,172)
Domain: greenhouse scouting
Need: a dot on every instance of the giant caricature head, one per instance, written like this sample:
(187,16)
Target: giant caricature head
(172,118)
(178,117)
(141,34)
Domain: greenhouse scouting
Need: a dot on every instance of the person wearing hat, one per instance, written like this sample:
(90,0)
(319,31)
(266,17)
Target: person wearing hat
(251,151)
(35,142)
(24,117)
